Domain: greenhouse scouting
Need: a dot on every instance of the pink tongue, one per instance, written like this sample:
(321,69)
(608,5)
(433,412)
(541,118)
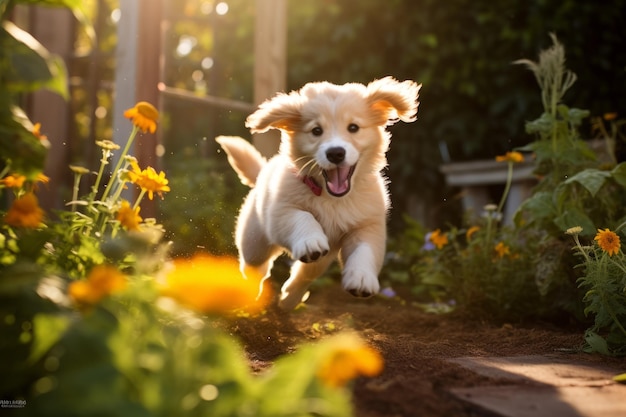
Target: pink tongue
(337,180)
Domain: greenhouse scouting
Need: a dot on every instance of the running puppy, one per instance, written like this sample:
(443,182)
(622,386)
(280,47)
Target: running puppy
(323,196)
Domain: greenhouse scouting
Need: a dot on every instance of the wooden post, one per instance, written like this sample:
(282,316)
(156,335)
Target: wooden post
(270,62)
(54,28)
(137,77)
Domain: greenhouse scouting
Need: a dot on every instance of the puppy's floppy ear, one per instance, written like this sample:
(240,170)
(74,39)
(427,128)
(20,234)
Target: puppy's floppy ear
(394,100)
(280,112)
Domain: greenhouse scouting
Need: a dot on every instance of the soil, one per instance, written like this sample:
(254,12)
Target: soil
(415,346)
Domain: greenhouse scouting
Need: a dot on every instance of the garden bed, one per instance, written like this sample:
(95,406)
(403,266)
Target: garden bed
(417,348)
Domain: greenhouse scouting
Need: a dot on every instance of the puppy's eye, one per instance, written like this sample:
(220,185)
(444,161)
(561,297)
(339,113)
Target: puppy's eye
(317,131)
(352,128)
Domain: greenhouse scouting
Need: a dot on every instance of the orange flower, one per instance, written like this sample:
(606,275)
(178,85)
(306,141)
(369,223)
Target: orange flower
(347,358)
(608,241)
(25,212)
(502,250)
(13,181)
(144,115)
(149,180)
(129,217)
(438,239)
(609,116)
(515,157)
(37,132)
(470,232)
(102,281)
(211,284)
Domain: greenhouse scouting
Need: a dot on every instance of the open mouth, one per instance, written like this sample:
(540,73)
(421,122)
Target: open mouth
(338,180)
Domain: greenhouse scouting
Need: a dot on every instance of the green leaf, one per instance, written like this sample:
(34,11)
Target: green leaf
(596,343)
(48,329)
(30,65)
(619,174)
(574,217)
(591,179)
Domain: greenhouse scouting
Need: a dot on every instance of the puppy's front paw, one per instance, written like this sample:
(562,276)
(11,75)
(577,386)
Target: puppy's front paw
(310,249)
(360,282)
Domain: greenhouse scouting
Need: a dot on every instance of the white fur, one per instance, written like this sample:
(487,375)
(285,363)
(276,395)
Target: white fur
(281,213)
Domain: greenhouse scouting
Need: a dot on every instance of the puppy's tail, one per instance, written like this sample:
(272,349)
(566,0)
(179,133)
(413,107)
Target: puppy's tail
(243,157)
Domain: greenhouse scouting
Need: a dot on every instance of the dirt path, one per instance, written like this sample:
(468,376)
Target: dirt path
(416,346)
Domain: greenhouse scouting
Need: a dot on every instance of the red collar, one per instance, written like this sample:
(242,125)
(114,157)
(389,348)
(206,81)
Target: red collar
(312,184)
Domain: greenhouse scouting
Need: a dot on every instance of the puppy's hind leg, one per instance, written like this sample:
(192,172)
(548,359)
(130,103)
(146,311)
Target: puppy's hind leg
(302,275)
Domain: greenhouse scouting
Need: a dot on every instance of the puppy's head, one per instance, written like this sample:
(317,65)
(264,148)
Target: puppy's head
(335,133)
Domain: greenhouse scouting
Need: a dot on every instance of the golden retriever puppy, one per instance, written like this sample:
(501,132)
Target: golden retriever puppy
(323,196)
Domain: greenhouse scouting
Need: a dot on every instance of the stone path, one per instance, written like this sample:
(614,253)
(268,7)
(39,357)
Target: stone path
(545,386)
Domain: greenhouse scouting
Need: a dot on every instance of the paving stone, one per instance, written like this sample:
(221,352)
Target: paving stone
(545,386)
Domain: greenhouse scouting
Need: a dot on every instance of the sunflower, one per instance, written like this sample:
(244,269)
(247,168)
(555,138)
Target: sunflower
(144,115)
(608,241)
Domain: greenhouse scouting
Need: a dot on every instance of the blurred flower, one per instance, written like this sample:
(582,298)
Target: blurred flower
(428,245)
(502,250)
(13,181)
(574,230)
(102,281)
(439,239)
(510,157)
(128,216)
(76,169)
(107,145)
(144,115)
(37,132)
(25,212)
(609,116)
(470,232)
(388,292)
(211,284)
(347,358)
(608,241)
(149,180)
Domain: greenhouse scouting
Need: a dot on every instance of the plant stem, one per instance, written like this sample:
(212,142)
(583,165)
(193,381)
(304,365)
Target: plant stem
(507,188)
(141,194)
(120,160)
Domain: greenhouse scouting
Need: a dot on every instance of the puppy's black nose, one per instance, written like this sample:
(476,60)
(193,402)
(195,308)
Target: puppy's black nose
(336,155)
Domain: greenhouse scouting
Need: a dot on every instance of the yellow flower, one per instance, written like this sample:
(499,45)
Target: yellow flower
(149,180)
(502,250)
(212,284)
(13,181)
(438,239)
(25,212)
(102,281)
(144,115)
(608,241)
(470,232)
(129,217)
(510,157)
(347,358)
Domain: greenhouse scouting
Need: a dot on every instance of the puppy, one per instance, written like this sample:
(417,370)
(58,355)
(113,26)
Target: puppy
(323,196)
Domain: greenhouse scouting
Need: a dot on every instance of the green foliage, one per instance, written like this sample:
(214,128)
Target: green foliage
(604,282)
(25,66)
